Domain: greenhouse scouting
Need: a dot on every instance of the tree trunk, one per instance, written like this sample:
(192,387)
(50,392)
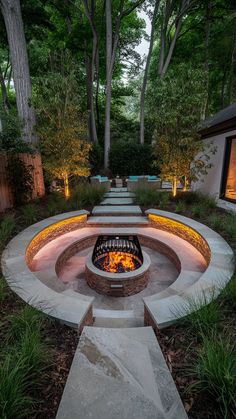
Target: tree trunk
(107,138)
(90,105)
(17,45)
(90,69)
(174,186)
(145,77)
(66,187)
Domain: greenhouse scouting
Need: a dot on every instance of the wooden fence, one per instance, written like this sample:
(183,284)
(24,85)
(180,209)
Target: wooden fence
(6,198)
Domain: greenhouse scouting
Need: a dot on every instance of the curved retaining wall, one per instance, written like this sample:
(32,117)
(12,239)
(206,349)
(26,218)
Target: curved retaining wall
(161,312)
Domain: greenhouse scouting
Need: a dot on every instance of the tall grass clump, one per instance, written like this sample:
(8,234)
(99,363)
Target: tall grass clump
(215,221)
(229,226)
(146,196)
(180,207)
(56,204)
(3,290)
(228,295)
(201,316)
(198,210)
(215,370)
(29,213)
(7,227)
(14,399)
(27,320)
(86,195)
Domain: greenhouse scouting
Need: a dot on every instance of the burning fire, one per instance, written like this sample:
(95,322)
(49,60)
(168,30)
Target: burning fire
(118,262)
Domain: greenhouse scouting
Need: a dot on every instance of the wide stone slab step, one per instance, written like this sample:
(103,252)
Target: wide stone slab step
(117,220)
(117,209)
(117,201)
(118,190)
(119,195)
(121,322)
(119,374)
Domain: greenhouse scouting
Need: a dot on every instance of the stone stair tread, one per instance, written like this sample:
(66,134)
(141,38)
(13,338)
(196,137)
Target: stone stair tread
(118,190)
(119,195)
(117,201)
(117,220)
(119,373)
(117,209)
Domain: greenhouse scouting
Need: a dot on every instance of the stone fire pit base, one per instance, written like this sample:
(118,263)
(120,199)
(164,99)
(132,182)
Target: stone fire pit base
(117,284)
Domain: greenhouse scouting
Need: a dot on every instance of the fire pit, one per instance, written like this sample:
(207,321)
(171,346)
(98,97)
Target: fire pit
(117,254)
(117,266)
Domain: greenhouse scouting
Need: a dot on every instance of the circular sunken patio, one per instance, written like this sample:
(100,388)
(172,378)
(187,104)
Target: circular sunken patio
(46,265)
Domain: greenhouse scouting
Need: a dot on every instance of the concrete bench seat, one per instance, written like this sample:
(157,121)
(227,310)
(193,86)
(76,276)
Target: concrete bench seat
(52,300)
(165,308)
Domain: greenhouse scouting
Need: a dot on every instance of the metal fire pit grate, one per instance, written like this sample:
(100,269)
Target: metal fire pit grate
(117,253)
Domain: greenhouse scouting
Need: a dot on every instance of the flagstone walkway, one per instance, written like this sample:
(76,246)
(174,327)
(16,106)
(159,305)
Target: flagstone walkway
(119,373)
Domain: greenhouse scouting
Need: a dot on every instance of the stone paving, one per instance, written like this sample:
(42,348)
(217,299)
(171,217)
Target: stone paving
(119,374)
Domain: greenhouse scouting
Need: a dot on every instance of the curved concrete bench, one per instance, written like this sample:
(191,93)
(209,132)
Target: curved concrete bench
(188,261)
(61,305)
(161,312)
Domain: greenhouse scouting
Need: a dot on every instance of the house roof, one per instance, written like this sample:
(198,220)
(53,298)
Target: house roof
(222,121)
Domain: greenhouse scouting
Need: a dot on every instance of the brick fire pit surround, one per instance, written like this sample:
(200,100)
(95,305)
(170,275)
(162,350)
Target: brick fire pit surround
(117,284)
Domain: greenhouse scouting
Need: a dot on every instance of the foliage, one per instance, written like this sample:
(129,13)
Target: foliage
(148,196)
(20,178)
(85,195)
(202,315)
(215,370)
(180,207)
(29,213)
(61,127)
(228,295)
(130,158)
(96,159)
(179,154)
(7,227)
(198,210)
(28,319)
(3,290)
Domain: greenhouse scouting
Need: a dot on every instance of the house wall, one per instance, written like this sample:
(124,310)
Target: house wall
(211,183)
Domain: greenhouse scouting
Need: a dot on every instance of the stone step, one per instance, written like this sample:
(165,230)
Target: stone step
(117,209)
(139,221)
(117,201)
(118,322)
(119,374)
(119,195)
(118,190)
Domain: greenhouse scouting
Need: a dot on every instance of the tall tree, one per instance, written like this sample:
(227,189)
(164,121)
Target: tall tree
(112,41)
(11,12)
(145,76)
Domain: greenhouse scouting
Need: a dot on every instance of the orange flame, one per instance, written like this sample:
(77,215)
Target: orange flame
(115,260)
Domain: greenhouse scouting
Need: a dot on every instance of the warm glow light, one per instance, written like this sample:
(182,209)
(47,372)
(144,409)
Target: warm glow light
(51,232)
(118,261)
(185,232)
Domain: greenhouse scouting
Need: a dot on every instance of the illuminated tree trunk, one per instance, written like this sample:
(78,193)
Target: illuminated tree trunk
(66,186)
(185,184)
(174,186)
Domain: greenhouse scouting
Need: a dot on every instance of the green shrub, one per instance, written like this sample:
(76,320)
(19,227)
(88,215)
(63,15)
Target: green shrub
(7,227)
(57,204)
(29,213)
(180,207)
(215,371)
(188,197)
(198,210)
(215,221)
(164,200)
(147,196)
(86,195)
(228,295)
(131,158)
(229,226)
